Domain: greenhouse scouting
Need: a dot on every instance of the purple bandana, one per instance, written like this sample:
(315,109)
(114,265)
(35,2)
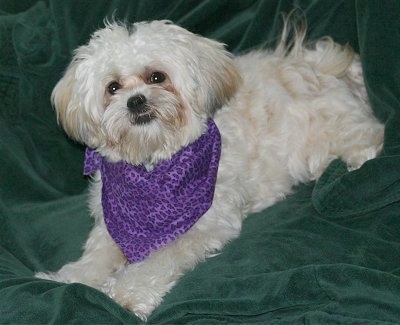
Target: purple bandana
(146,210)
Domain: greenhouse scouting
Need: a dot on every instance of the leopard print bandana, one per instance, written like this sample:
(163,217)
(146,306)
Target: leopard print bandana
(146,210)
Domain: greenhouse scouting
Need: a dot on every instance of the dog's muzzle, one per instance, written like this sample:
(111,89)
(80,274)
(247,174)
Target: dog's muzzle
(139,109)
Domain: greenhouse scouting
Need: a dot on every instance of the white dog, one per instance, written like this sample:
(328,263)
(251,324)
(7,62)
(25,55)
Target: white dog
(184,141)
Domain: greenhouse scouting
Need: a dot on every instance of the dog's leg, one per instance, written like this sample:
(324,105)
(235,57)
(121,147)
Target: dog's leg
(354,143)
(140,287)
(368,147)
(363,140)
(101,257)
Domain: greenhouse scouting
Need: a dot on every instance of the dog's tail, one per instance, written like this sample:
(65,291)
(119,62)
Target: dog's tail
(292,37)
(327,56)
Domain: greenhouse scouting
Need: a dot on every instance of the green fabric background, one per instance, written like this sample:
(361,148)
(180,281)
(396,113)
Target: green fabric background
(329,253)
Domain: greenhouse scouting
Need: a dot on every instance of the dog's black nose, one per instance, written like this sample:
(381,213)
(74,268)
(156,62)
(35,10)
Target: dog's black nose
(137,103)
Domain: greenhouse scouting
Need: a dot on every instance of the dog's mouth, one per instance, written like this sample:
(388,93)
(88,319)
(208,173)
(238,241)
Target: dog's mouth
(141,118)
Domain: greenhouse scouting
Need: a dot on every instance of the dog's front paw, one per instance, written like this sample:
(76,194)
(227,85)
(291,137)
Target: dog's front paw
(139,298)
(130,299)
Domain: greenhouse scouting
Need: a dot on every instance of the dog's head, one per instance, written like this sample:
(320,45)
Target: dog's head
(139,93)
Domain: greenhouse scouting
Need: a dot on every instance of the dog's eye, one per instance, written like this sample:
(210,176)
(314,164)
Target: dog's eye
(113,87)
(157,77)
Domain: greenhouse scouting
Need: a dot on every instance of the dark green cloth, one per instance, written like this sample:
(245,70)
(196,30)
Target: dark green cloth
(328,254)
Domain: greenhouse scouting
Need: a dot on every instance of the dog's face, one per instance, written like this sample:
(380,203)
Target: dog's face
(140,93)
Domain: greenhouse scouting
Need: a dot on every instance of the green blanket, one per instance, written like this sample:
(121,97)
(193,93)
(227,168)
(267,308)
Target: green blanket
(329,253)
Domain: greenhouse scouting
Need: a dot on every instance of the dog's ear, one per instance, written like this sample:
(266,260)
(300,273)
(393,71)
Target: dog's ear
(70,108)
(224,78)
(221,77)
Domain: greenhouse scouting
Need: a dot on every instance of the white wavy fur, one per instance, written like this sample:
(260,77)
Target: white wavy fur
(284,115)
